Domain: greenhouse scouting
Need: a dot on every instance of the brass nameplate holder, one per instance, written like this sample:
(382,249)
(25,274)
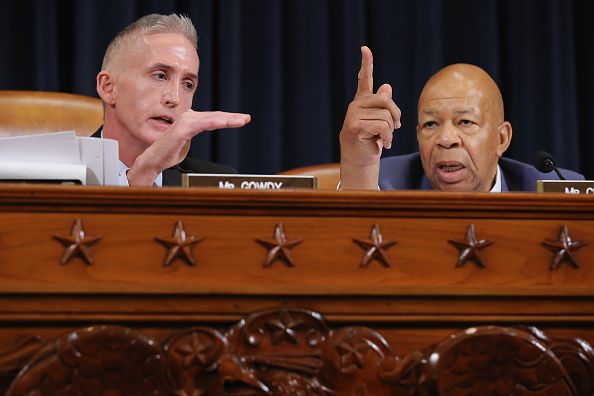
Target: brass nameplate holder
(566,186)
(257,182)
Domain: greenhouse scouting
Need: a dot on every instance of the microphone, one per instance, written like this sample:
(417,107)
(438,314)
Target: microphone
(545,163)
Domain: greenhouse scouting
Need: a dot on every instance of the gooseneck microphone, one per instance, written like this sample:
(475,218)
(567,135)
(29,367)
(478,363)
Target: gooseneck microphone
(545,163)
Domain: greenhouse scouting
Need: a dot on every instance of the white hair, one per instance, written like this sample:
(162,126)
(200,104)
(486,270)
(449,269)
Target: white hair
(150,24)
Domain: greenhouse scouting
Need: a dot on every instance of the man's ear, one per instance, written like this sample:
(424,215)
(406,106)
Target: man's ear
(504,133)
(105,87)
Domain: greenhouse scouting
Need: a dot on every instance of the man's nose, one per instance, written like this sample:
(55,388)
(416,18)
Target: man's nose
(170,97)
(449,136)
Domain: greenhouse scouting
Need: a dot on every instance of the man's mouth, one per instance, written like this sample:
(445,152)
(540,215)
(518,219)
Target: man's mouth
(164,120)
(450,172)
(450,168)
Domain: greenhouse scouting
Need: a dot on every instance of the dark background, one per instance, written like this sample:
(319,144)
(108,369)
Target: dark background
(293,65)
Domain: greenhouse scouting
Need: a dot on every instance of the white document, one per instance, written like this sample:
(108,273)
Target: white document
(57,147)
(43,157)
(101,158)
(111,158)
(91,154)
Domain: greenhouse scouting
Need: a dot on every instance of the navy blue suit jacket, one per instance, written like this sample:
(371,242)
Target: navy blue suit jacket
(405,172)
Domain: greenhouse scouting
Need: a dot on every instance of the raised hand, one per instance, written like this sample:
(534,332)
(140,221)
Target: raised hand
(173,145)
(368,126)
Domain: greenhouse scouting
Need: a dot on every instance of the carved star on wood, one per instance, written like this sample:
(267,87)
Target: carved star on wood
(196,351)
(284,328)
(179,245)
(564,248)
(349,355)
(470,249)
(375,247)
(77,244)
(279,248)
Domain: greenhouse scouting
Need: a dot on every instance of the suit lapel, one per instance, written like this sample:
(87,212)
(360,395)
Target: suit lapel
(171,177)
(97,133)
(504,187)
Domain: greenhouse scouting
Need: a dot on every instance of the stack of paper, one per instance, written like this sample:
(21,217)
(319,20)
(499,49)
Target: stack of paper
(59,156)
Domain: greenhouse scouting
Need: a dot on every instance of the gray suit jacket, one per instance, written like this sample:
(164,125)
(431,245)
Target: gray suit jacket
(405,172)
(172,176)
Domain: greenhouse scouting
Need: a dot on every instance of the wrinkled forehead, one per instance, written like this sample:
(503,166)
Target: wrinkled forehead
(467,97)
(461,92)
(172,46)
(441,98)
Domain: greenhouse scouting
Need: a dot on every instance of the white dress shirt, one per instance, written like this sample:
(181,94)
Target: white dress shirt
(497,185)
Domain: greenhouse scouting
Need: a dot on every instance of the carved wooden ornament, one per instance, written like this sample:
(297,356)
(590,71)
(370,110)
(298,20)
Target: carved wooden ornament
(375,247)
(294,352)
(564,248)
(179,245)
(77,244)
(279,248)
(470,249)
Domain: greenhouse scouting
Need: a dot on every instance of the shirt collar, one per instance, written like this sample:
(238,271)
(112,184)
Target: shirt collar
(497,186)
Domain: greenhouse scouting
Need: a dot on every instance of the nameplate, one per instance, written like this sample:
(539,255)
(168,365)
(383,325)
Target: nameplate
(250,182)
(566,186)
